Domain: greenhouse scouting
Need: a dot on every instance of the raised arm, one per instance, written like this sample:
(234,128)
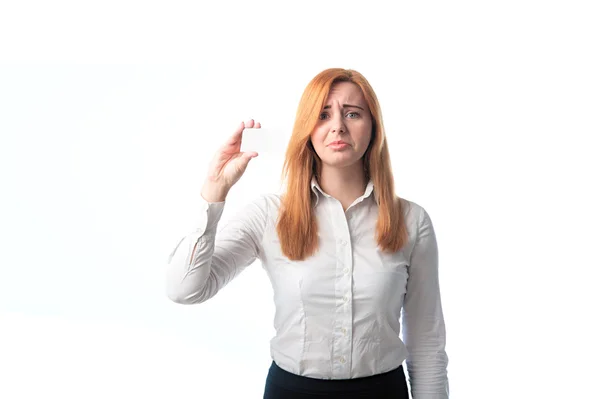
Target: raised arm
(206,260)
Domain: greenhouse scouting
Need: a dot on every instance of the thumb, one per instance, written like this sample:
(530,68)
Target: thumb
(249,155)
(245,159)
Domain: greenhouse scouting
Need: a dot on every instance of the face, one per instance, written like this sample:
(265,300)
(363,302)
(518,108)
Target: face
(343,131)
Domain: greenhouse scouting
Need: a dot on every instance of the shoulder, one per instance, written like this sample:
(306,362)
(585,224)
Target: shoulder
(413,211)
(271,199)
(415,215)
(265,204)
(253,213)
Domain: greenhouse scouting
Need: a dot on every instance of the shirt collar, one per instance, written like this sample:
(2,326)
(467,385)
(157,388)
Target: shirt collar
(316,188)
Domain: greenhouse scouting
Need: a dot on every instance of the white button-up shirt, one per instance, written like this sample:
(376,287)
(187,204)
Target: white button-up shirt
(338,312)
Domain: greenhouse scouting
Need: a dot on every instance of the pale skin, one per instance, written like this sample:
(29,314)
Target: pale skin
(228,165)
(345,118)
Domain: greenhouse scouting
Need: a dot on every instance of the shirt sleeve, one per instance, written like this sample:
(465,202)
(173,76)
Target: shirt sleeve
(206,260)
(423,327)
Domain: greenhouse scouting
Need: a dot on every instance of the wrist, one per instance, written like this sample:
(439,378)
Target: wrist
(214,192)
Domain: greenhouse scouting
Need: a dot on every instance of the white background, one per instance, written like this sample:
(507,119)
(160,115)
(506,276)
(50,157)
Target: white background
(110,112)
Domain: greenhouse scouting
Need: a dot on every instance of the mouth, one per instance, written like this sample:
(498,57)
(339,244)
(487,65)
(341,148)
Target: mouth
(336,145)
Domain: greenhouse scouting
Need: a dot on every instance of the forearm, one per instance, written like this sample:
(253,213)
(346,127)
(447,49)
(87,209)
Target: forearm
(423,319)
(427,363)
(189,269)
(189,265)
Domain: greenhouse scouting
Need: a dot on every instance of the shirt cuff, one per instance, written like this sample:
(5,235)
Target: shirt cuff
(210,214)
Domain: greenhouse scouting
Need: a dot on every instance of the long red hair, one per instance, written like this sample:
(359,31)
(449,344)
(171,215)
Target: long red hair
(297,226)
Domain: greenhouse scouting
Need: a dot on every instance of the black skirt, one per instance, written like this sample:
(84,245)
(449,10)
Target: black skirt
(282,384)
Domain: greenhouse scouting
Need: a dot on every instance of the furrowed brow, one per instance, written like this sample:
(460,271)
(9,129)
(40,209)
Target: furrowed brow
(346,106)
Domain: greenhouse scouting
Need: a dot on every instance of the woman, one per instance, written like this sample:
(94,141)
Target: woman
(344,254)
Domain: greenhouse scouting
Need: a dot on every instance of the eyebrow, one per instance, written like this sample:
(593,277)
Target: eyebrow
(345,106)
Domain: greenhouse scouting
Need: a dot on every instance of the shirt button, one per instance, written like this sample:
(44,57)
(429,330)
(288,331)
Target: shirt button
(343,242)
(345,298)
(344,331)
(346,270)
(342,359)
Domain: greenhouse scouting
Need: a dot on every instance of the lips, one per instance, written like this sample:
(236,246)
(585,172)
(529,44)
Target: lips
(337,143)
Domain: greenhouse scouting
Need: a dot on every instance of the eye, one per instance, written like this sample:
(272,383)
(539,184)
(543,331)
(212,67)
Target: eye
(353,115)
(323,116)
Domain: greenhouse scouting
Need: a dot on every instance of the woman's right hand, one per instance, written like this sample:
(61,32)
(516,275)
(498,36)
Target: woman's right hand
(228,165)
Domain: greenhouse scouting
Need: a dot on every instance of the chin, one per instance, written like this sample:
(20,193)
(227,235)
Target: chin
(339,163)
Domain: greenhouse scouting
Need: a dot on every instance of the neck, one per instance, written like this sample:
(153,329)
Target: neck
(344,184)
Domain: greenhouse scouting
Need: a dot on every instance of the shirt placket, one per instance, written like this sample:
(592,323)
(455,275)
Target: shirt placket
(342,334)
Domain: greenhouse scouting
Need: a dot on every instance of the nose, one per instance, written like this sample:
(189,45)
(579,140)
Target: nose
(337,125)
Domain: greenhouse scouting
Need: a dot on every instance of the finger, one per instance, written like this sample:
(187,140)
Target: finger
(249,123)
(245,159)
(257,125)
(237,134)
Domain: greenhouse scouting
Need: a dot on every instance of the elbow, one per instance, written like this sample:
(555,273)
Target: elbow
(179,299)
(177,295)
(189,288)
